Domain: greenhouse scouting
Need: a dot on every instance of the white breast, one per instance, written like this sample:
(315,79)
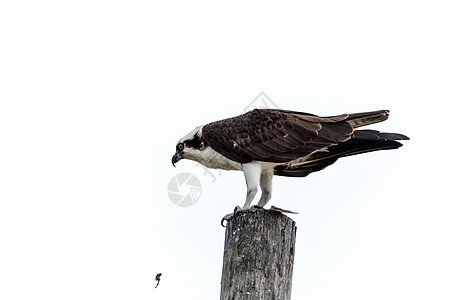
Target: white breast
(213,159)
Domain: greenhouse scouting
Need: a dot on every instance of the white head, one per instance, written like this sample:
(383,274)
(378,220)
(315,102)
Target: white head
(190,146)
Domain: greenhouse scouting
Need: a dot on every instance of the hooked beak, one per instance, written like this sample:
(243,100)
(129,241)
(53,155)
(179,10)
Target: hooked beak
(176,158)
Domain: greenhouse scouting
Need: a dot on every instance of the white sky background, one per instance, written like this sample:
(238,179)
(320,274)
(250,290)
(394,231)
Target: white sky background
(94,96)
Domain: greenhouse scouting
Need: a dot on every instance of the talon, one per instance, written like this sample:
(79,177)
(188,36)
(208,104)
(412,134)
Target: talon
(228,216)
(236,209)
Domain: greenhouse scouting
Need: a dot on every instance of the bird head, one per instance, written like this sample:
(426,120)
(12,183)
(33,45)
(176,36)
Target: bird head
(190,146)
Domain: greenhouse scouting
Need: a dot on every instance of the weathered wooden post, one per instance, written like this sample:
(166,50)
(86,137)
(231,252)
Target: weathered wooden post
(259,256)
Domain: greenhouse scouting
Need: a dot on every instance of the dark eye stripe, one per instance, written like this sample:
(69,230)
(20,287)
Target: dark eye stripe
(195,142)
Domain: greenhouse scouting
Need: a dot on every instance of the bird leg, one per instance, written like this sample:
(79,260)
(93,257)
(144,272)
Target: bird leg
(252,173)
(266,188)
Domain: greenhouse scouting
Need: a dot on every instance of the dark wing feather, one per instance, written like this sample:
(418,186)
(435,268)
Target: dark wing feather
(362,141)
(274,135)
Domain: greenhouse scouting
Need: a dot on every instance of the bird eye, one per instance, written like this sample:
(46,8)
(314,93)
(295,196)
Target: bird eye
(180,146)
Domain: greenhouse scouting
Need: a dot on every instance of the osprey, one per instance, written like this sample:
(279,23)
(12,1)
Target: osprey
(267,142)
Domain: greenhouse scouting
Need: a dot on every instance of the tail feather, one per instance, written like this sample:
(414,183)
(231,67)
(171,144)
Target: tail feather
(367,134)
(362,141)
(367,118)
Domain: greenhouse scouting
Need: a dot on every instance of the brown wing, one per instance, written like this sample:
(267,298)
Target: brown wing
(275,135)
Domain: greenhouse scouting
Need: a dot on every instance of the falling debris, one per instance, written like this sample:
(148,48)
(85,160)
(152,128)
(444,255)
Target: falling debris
(158,278)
